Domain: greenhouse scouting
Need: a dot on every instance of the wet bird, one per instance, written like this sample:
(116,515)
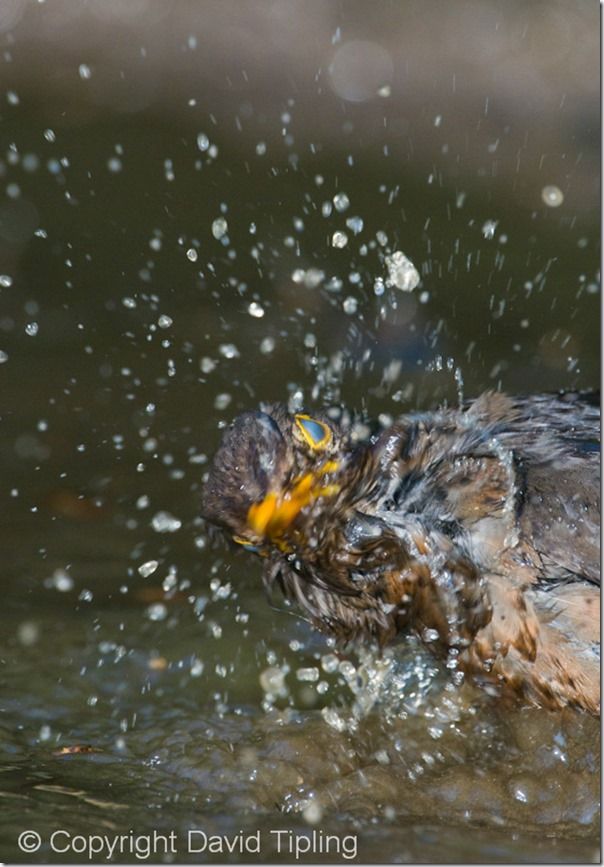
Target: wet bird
(475,528)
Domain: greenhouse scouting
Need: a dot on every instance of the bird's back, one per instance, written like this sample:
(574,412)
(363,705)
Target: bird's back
(558,442)
(555,443)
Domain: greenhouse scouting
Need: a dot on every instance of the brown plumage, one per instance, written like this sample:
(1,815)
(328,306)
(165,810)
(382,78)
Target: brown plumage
(477,529)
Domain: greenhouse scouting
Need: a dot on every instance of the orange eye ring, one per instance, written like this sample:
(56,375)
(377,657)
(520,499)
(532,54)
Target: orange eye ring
(316,433)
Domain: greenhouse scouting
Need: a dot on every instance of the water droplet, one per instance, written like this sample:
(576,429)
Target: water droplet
(219,228)
(350,305)
(61,581)
(84,71)
(203,142)
(272,680)
(308,675)
(402,273)
(164,522)
(192,254)
(148,568)
(360,69)
(28,633)
(488,229)
(30,162)
(312,813)
(267,345)
(333,719)
(207,365)
(196,668)
(31,329)
(5,281)
(552,196)
(339,240)
(355,224)
(341,202)
(228,350)
(255,310)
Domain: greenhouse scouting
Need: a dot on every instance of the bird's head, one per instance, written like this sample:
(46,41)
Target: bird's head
(273,470)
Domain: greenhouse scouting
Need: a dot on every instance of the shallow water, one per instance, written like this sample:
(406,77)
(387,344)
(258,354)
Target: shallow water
(204,707)
(178,750)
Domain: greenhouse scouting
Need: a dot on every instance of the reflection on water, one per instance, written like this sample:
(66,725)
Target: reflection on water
(181,241)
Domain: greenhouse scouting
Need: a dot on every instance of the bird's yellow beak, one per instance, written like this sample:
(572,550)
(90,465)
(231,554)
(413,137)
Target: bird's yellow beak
(272,516)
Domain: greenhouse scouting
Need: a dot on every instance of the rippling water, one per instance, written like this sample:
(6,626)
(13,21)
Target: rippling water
(185,738)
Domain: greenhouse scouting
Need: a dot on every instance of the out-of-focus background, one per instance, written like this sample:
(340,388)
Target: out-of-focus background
(198,202)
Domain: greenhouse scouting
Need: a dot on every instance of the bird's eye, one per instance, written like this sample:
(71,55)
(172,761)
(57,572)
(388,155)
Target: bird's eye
(316,433)
(249,546)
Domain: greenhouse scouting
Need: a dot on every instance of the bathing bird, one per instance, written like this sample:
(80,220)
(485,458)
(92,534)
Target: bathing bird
(476,528)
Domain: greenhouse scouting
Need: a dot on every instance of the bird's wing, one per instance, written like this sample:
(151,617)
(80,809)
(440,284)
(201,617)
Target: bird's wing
(560,514)
(556,441)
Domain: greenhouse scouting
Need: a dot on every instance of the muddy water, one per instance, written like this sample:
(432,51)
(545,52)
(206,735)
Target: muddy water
(134,325)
